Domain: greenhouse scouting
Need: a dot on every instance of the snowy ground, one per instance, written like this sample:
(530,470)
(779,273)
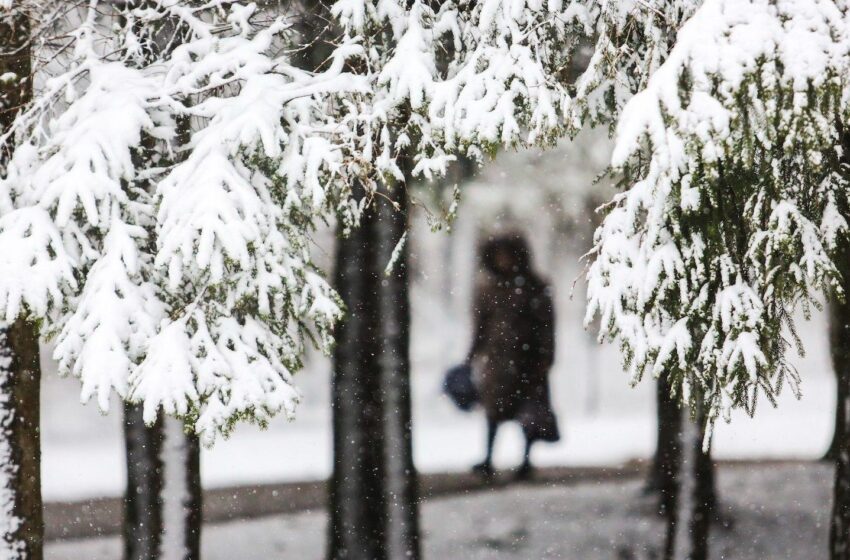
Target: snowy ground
(777,512)
(604,420)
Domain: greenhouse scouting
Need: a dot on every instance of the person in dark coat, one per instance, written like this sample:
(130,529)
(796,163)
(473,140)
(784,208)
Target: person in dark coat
(513,346)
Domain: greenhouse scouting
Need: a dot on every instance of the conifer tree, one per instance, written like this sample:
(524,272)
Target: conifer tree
(734,212)
(176,273)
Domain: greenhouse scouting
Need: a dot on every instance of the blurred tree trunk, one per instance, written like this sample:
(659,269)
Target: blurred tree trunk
(373,504)
(662,477)
(400,489)
(689,508)
(162,505)
(20,370)
(356,492)
(839,327)
(180,456)
(839,341)
(142,510)
(839,538)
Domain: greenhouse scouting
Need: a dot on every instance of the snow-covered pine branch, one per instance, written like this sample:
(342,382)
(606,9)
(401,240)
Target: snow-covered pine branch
(156,214)
(627,41)
(737,201)
(462,77)
(168,177)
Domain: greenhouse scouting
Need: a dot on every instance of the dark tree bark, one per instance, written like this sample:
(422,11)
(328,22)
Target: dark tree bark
(839,341)
(689,508)
(162,504)
(373,503)
(400,489)
(839,538)
(839,336)
(142,510)
(21,521)
(662,471)
(839,535)
(356,493)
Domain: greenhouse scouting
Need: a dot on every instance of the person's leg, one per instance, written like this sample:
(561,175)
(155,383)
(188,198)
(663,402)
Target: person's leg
(486,466)
(526,469)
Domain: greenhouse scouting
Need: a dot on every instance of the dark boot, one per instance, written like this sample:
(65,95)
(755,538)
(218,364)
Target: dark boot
(485,468)
(526,471)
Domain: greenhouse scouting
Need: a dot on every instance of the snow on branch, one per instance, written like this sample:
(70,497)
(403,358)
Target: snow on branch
(740,195)
(157,210)
(158,206)
(463,77)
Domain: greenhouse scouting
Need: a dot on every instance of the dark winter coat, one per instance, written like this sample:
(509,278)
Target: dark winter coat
(513,349)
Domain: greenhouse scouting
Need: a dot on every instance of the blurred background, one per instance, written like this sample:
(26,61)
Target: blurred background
(551,197)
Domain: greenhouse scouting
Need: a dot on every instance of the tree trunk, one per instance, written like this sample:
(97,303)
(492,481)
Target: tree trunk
(21,522)
(162,505)
(690,507)
(839,327)
(142,510)
(662,477)
(839,341)
(356,497)
(400,489)
(839,539)
(839,536)
(181,493)
(373,505)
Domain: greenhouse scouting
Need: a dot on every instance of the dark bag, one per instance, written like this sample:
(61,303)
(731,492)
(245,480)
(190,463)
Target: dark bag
(458,385)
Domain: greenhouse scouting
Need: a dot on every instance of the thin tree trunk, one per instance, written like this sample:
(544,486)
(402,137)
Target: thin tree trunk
(704,512)
(662,477)
(180,456)
(162,506)
(839,530)
(839,340)
(142,507)
(373,503)
(690,507)
(22,525)
(839,536)
(21,521)
(358,516)
(402,538)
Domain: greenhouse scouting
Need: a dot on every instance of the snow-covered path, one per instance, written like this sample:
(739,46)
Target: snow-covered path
(777,512)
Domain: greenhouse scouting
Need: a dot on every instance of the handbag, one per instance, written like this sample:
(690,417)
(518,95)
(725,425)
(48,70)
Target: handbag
(459,386)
